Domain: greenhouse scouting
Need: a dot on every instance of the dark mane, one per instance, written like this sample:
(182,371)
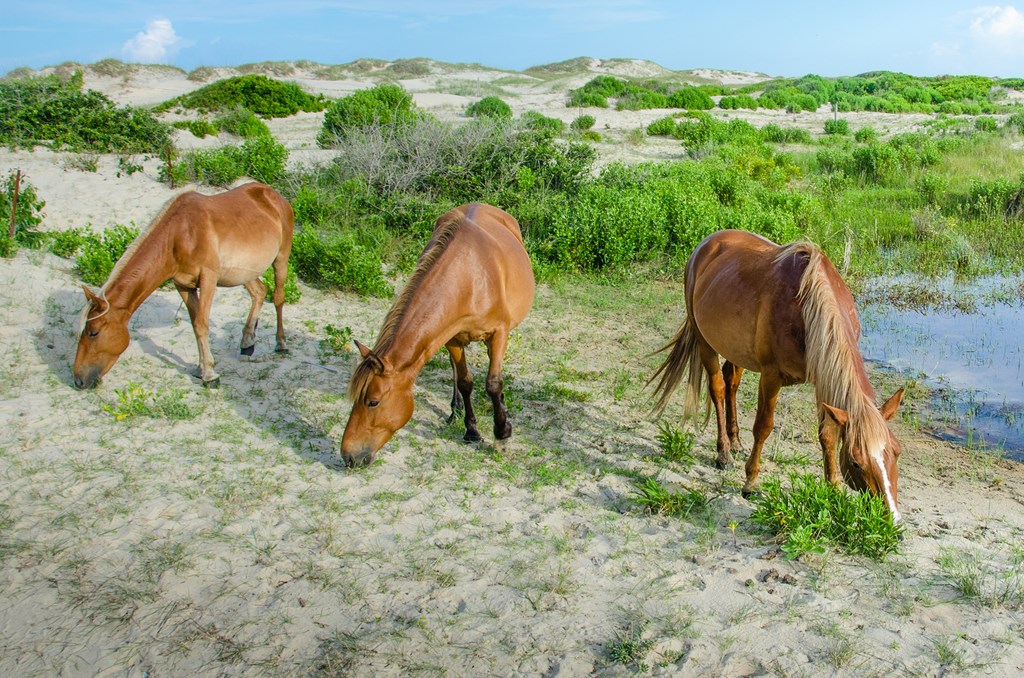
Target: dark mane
(444,231)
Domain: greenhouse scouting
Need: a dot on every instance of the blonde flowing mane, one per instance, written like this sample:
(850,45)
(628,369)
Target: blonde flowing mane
(444,233)
(834,363)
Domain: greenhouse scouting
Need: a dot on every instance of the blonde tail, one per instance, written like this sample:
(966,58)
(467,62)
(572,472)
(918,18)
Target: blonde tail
(682,354)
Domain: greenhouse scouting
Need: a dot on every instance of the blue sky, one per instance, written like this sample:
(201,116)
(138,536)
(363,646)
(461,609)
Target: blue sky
(778,38)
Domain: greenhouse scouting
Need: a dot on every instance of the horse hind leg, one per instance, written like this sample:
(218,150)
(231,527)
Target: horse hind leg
(716,391)
(280,278)
(732,374)
(464,386)
(257,292)
(496,346)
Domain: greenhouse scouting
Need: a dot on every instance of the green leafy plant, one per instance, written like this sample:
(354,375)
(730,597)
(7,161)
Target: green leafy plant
(97,253)
(132,401)
(658,499)
(27,214)
(385,105)
(812,513)
(582,122)
(839,126)
(676,444)
(292,293)
(338,340)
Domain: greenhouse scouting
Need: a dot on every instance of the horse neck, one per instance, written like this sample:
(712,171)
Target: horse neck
(421,327)
(143,269)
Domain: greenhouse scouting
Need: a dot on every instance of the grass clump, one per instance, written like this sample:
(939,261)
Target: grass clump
(812,514)
(659,500)
(676,444)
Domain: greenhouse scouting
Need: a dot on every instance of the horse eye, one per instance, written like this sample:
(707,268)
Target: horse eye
(94,333)
(856,465)
(372,403)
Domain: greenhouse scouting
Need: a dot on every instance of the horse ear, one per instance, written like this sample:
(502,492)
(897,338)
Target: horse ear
(367,354)
(90,296)
(888,409)
(835,414)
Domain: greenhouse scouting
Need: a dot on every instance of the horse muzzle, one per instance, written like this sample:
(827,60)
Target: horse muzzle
(86,379)
(362,457)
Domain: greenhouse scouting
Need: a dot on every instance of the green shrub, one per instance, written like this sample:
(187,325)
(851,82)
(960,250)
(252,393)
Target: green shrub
(584,99)
(692,99)
(582,122)
(492,107)
(337,260)
(67,243)
(292,293)
(386,105)
(1016,121)
(98,253)
(27,216)
(837,126)
(199,128)
(865,135)
(262,95)
(260,158)
(52,111)
(986,123)
(785,135)
(243,123)
(533,120)
(812,513)
(660,500)
(738,101)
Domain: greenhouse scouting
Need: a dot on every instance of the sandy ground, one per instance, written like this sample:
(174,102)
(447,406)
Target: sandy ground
(223,537)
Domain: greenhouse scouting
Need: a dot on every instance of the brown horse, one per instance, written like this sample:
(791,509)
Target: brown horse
(200,243)
(784,312)
(473,282)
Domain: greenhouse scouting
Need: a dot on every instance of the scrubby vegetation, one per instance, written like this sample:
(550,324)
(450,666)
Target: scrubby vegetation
(54,111)
(492,107)
(263,96)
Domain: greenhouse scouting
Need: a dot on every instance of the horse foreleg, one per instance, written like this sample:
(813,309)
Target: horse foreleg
(257,292)
(827,434)
(496,346)
(280,277)
(464,387)
(767,395)
(201,325)
(732,375)
(456,396)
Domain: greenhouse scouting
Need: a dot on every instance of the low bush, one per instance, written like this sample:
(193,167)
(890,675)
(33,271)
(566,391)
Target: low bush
(56,112)
(27,216)
(492,107)
(384,106)
(260,158)
(839,126)
(262,95)
(338,260)
(582,122)
(538,122)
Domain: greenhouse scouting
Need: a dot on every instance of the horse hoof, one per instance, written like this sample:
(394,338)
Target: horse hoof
(722,465)
(472,436)
(282,351)
(504,433)
(248,350)
(213,383)
(748,493)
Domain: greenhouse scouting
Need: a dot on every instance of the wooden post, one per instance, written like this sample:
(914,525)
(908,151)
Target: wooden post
(170,166)
(14,204)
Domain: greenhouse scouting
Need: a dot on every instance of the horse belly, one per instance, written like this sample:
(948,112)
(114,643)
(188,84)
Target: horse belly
(239,268)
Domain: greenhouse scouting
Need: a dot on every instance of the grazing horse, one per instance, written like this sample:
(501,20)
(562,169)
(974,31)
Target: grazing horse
(786,313)
(473,282)
(199,242)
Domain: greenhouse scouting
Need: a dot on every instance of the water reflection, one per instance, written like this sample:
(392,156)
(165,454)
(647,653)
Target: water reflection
(975,360)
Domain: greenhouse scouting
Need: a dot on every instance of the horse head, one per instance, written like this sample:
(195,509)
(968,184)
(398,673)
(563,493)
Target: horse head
(103,339)
(382,403)
(869,462)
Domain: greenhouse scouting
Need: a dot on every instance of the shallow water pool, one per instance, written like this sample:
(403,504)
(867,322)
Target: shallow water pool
(973,361)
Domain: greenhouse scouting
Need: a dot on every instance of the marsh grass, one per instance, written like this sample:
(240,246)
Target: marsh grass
(978,578)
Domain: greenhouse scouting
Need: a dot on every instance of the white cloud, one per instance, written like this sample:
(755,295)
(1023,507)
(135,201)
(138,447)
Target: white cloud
(154,45)
(999,28)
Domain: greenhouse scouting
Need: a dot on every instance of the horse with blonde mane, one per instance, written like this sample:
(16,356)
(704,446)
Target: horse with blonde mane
(200,243)
(473,282)
(786,313)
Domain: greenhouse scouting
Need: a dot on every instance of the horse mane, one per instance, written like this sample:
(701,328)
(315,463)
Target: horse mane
(444,232)
(119,266)
(834,363)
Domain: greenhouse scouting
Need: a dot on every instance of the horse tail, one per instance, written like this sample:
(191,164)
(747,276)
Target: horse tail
(683,354)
